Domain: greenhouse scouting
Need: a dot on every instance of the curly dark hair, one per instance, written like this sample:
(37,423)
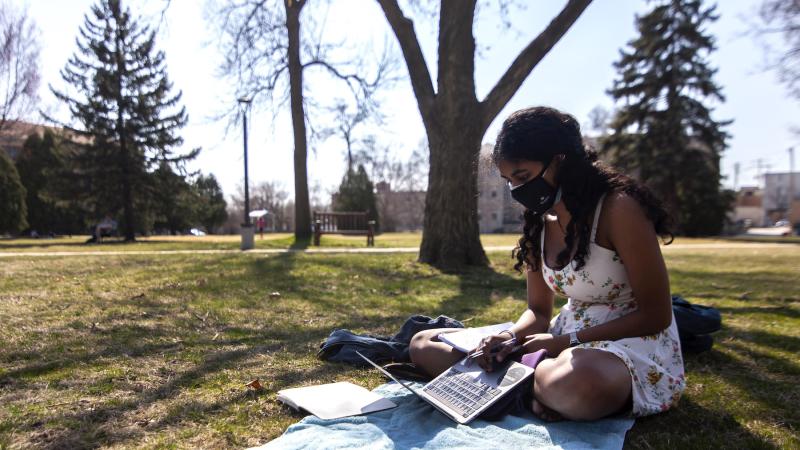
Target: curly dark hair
(539,134)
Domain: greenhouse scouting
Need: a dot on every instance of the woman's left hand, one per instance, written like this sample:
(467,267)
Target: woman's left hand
(553,344)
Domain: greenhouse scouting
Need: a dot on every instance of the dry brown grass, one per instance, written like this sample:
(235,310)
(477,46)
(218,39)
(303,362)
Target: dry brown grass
(155,351)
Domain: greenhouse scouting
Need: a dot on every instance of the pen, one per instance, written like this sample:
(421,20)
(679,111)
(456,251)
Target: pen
(496,348)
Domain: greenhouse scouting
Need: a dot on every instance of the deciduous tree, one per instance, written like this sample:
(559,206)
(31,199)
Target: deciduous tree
(19,64)
(262,46)
(456,120)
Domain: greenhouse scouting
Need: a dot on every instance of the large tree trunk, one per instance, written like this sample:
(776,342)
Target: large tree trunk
(302,208)
(450,234)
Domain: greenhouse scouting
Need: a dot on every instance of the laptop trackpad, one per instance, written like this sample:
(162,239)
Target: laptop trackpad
(504,375)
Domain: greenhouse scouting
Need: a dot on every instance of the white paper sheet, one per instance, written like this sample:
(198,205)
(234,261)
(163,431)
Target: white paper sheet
(335,400)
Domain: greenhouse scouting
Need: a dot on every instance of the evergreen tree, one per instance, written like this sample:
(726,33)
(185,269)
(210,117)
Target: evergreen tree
(174,201)
(663,132)
(211,211)
(356,193)
(12,197)
(125,107)
(44,171)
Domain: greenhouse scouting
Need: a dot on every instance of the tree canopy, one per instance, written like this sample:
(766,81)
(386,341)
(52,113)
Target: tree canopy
(664,132)
(12,197)
(357,193)
(122,99)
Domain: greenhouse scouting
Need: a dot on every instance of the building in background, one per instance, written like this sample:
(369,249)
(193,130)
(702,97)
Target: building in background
(497,211)
(399,210)
(781,197)
(14,134)
(749,209)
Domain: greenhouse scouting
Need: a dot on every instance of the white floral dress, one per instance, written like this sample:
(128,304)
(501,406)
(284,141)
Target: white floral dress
(600,292)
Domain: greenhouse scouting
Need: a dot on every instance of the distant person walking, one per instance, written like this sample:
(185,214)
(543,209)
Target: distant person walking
(261,226)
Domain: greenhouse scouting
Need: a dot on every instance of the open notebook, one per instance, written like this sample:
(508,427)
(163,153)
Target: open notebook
(468,339)
(334,400)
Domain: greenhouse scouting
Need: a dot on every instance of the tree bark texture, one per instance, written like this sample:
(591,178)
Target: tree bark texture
(455,121)
(302,205)
(450,234)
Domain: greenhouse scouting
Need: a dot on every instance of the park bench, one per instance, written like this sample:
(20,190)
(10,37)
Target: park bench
(347,223)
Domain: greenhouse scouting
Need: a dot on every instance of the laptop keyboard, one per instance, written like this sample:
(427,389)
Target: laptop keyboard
(461,392)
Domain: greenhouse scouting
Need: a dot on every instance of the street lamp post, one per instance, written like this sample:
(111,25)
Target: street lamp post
(247,227)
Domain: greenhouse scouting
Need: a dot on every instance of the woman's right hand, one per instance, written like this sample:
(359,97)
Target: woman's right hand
(487,344)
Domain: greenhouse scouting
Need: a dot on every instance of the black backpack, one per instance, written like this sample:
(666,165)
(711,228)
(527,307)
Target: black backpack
(695,325)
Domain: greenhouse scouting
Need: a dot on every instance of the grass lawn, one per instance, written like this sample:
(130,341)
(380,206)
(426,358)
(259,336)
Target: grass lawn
(155,350)
(222,242)
(269,241)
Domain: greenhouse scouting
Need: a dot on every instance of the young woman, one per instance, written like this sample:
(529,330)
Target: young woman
(590,234)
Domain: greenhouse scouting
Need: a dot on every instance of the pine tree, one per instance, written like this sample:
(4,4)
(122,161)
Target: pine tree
(356,193)
(125,107)
(44,171)
(174,201)
(211,209)
(664,133)
(12,197)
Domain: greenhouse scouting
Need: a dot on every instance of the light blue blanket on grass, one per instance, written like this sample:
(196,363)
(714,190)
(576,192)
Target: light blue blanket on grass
(414,424)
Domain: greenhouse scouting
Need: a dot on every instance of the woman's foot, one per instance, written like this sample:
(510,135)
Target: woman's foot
(545,413)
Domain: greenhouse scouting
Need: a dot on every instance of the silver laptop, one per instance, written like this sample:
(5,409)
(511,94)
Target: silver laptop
(465,390)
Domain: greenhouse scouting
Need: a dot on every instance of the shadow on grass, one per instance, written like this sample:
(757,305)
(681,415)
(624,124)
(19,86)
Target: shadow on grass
(45,243)
(758,284)
(116,243)
(476,288)
(777,341)
(300,244)
(372,296)
(281,338)
(784,311)
(692,426)
(765,392)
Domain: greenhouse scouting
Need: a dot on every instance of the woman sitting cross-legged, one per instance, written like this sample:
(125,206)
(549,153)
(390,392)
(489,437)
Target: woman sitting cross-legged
(590,234)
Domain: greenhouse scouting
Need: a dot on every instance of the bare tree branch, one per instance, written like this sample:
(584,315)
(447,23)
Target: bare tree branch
(780,17)
(19,64)
(403,28)
(522,66)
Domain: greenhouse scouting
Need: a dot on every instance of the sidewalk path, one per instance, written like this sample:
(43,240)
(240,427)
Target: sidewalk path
(334,250)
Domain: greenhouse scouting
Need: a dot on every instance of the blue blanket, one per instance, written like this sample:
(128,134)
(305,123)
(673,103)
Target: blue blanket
(416,425)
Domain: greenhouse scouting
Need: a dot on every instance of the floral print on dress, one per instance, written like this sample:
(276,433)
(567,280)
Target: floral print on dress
(559,281)
(600,292)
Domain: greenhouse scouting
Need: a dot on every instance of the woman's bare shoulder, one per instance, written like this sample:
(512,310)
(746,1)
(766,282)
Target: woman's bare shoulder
(622,206)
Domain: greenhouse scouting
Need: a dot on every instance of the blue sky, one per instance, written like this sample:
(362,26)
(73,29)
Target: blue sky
(573,77)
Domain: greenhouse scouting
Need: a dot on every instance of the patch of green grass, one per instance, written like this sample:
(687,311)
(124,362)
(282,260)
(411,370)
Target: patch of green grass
(155,350)
(764,239)
(232,242)
(215,242)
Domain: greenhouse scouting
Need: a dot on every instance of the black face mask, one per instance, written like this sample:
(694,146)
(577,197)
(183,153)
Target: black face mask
(536,194)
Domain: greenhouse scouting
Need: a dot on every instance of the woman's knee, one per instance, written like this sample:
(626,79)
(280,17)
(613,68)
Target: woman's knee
(418,345)
(581,387)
